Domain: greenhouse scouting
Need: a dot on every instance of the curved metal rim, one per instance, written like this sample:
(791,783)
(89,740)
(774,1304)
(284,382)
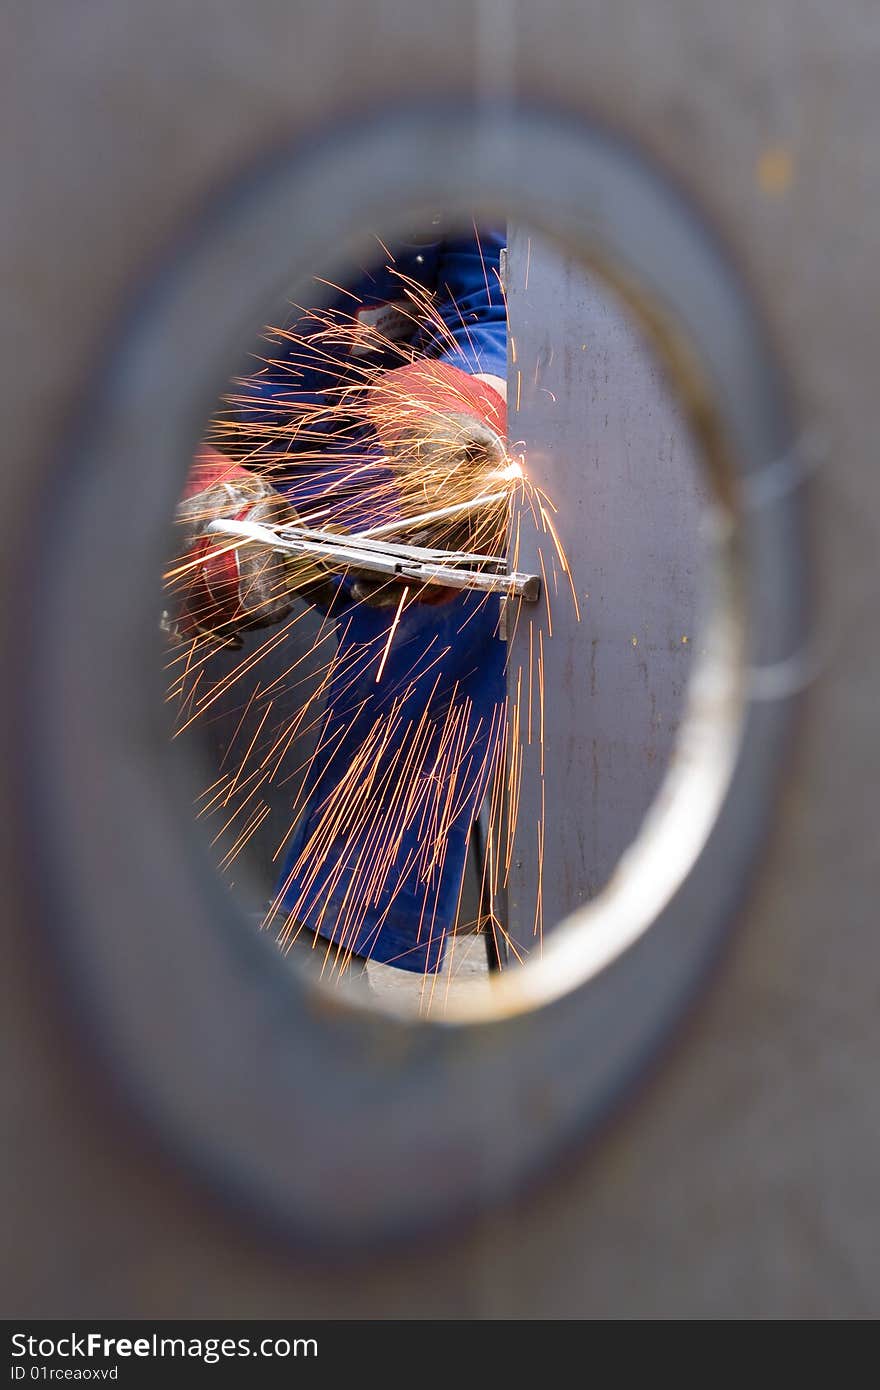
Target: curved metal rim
(268,1086)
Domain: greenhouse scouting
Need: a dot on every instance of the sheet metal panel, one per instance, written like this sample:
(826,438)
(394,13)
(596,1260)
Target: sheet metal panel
(603,438)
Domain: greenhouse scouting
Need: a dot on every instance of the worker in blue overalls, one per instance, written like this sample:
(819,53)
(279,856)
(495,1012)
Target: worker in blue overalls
(416,694)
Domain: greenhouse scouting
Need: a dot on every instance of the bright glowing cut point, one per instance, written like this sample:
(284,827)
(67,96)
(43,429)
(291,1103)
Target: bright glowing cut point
(511,472)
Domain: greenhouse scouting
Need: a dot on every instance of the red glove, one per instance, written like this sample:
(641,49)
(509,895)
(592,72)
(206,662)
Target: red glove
(443,433)
(431,408)
(223,586)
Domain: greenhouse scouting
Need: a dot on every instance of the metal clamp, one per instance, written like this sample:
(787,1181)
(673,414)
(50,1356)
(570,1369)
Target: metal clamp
(452,568)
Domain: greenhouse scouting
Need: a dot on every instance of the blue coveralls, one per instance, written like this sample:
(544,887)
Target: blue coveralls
(387,886)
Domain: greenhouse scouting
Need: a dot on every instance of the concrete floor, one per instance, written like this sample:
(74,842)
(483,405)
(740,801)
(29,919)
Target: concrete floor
(465,970)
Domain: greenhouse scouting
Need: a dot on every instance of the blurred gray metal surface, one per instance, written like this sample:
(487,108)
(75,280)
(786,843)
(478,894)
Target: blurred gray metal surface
(113,838)
(606,442)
